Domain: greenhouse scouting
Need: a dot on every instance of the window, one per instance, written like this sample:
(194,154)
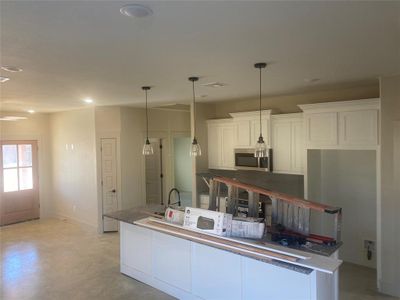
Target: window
(17,167)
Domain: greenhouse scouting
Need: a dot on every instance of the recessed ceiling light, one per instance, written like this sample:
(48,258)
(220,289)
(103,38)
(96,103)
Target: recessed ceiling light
(12,118)
(31,111)
(11,69)
(136,11)
(88,100)
(4,79)
(214,84)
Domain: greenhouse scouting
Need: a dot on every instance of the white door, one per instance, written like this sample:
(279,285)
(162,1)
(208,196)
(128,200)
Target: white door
(109,182)
(19,181)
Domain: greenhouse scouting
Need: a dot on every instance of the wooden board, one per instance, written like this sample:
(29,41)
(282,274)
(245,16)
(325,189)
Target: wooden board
(281,196)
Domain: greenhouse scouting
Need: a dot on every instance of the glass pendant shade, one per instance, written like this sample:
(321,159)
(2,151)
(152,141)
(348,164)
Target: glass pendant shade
(147,148)
(261,148)
(195,149)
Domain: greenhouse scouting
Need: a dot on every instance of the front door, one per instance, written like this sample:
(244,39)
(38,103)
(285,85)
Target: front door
(109,181)
(19,181)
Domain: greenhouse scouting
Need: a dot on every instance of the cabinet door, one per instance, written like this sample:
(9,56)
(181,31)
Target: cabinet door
(282,146)
(358,128)
(214,146)
(243,134)
(255,131)
(321,129)
(227,136)
(172,260)
(297,147)
(216,274)
(136,248)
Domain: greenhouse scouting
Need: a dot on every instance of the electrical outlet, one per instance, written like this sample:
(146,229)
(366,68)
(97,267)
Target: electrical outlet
(74,207)
(368,244)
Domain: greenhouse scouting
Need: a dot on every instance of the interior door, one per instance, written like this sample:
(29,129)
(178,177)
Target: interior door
(19,182)
(109,182)
(153,174)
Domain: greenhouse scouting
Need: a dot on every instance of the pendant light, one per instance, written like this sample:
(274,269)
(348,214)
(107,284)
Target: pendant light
(147,147)
(261,147)
(195,149)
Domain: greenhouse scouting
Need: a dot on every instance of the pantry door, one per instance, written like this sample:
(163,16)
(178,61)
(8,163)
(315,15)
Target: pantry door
(19,181)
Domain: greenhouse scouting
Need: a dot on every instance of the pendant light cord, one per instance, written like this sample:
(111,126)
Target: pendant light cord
(194,112)
(147,120)
(260,105)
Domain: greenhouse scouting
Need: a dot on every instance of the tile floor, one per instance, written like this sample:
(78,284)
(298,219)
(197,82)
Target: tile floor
(55,259)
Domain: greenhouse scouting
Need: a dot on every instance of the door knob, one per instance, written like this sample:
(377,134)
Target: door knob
(113,191)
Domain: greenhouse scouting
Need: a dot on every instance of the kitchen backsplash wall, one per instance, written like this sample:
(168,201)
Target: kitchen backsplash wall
(284,183)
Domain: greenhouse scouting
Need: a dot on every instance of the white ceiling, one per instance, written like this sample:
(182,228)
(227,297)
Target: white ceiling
(74,49)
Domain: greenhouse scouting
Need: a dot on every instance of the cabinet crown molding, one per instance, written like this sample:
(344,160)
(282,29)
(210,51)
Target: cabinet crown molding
(337,106)
(250,114)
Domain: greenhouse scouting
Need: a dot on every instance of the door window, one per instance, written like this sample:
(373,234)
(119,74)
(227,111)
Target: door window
(17,167)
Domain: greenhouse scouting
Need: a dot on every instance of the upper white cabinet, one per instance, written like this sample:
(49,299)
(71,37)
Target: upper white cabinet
(247,126)
(287,143)
(221,144)
(342,125)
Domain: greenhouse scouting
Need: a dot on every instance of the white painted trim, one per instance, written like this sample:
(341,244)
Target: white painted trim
(251,114)
(338,106)
(292,116)
(75,220)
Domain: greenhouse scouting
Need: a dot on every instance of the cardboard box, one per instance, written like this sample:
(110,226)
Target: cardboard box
(208,221)
(252,228)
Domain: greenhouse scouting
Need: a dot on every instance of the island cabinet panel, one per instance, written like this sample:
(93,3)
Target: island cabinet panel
(216,274)
(266,281)
(136,240)
(169,254)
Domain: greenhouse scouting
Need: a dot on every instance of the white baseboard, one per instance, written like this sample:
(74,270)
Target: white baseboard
(74,220)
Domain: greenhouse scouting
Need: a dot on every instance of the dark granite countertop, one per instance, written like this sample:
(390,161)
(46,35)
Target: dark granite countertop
(133,214)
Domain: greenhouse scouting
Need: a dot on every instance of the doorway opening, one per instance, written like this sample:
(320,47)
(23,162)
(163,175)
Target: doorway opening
(154,166)
(19,182)
(183,169)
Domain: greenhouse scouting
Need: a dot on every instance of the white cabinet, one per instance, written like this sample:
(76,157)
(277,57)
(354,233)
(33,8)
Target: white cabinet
(321,129)
(287,143)
(247,126)
(342,125)
(221,144)
(223,280)
(358,127)
(168,252)
(243,133)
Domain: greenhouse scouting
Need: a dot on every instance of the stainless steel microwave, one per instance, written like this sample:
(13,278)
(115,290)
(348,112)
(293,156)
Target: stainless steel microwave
(245,160)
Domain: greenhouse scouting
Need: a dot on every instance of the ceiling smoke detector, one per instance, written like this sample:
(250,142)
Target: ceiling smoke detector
(214,84)
(11,69)
(136,11)
(4,79)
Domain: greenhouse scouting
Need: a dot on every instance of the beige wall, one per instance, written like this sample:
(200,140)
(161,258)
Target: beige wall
(162,124)
(74,192)
(36,127)
(288,103)
(389,214)
(204,112)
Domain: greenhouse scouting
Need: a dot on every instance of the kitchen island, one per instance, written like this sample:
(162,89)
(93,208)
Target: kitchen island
(191,265)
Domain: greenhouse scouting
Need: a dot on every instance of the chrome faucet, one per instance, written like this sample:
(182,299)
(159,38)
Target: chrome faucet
(169,197)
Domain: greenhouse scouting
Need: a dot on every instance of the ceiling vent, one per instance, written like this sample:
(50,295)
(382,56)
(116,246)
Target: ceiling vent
(214,84)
